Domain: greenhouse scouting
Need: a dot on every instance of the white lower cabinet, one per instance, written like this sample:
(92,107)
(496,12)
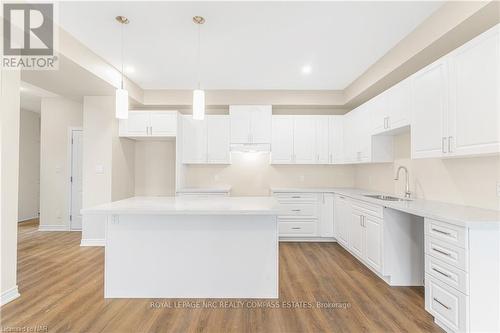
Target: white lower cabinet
(462,276)
(343,215)
(305,215)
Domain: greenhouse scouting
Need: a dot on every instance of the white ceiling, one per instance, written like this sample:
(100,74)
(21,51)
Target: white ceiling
(245,45)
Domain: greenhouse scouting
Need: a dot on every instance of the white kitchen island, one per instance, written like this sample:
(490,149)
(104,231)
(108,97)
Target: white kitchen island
(190,247)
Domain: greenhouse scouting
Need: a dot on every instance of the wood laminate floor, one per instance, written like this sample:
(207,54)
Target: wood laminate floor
(61,286)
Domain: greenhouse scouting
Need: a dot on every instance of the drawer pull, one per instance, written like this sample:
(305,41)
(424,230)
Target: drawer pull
(296,210)
(442,273)
(296,196)
(442,252)
(296,228)
(441,232)
(442,304)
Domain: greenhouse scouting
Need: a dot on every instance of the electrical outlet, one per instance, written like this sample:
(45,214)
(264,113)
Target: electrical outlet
(498,188)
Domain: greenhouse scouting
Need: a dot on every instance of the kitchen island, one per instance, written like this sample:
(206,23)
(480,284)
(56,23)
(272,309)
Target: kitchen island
(190,247)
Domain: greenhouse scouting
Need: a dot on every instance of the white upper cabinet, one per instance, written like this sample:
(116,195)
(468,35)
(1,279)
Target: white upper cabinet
(194,140)
(455,101)
(205,141)
(336,139)
(163,123)
(391,109)
(149,124)
(429,110)
(322,140)
(304,140)
(282,140)
(250,123)
(474,111)
(218,135)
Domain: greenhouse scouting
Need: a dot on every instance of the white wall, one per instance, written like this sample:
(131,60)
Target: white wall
(251,174)
(155,168)
(108,163)
(29,165)
(466,181)
(57,116)
(9,176)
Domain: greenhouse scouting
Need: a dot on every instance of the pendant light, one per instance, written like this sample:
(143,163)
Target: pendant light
(121,97)
(198,94)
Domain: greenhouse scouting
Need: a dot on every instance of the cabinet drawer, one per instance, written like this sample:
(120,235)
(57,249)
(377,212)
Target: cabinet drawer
(446,304)
(452,276)
(450,254)
(447,232)
(298,210)
(284,197)
(303,228)
(368,208)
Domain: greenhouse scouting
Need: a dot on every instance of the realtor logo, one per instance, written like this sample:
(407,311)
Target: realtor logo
(28,36)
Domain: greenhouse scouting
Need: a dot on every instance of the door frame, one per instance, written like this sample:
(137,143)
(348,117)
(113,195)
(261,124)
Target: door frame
(71,129)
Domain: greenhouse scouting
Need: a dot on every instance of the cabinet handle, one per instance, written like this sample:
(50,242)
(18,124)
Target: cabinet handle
(442,304)
(442,252)
(441,232)
(296,228)
(295,210)
(442,273)
(449,144)
(388,124)
(443,144)
(296,196)
(361,220)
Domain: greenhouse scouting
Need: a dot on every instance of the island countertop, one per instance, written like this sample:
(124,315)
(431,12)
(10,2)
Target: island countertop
(187,206)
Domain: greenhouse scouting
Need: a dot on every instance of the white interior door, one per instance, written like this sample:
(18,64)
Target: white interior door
(76,179)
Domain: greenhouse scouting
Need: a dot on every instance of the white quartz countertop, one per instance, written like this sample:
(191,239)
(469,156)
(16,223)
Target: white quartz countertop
(451,213)
(188,206)
(219,189)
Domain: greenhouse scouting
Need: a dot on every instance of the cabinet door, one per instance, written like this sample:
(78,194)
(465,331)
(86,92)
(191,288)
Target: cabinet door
(282,140)
(363,134)
(398,105)
(356,233)
(163,123)
(429,109)
(138,123)
(194,140)
(218,136)
(379,113)
(336,139)
(240,123)
(373,238)
(327,215)
(349,138)
(474,120)
(343,216)
(260,124)
(304,140)
(322,140)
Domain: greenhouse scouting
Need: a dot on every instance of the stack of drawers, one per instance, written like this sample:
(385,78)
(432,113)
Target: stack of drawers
(299,214)
(447,274)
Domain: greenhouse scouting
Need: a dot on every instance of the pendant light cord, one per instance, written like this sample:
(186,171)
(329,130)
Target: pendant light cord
(199,55)
(122,51)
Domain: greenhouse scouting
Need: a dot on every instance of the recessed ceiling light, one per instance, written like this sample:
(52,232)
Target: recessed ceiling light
(129,69)
(306,69)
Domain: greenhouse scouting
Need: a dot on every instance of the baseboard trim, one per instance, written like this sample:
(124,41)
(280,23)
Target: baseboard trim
(93,242)
(308,239)
(27,219)
(55,227)
(9,295)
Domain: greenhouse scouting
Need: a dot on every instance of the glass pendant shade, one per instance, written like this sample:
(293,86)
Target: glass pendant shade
(121,104)
(198,104)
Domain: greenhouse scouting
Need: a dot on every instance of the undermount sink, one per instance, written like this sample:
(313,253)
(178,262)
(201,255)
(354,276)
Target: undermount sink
(385,197)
